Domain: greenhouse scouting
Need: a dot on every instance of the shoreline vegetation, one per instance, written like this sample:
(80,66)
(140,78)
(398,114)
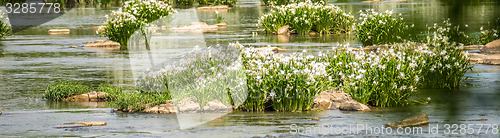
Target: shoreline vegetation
(259,79)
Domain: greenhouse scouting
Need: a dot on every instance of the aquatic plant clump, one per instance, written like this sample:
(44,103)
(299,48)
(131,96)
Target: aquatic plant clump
(283,82)
(488,36)
(307,16)
(5,28)
(121,24)
(447,34)
(61,90)
(378,28)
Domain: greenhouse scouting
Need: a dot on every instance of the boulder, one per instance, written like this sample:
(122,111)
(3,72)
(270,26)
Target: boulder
(218,7)
(216,106)
(188,106)
(285,30)
(59,31)
(492,47)
(353,106)
(493,59)
(416,120)
(472,47)
(102,43)
(334,100)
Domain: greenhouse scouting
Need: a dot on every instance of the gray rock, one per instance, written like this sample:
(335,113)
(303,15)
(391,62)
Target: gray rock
(492,47)
(416,120)
(284,30)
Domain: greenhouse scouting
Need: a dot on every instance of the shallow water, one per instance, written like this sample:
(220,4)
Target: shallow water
(32,59)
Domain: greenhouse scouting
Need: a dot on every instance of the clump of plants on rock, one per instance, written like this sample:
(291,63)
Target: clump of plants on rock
(62,90)
(377,28)
(305,17)
(488,35)
(5,28)
(134,15)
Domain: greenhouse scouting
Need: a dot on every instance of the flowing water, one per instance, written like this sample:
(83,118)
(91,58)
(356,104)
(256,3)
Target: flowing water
(32,59)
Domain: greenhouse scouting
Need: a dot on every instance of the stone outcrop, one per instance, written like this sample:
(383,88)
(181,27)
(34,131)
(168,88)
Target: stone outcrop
(218,7)
(285,30)
(102,43)
(493,59)
(333,100)
(88,97)
(416,120)
(188,105)
(59,31)
(492,47)
(167,108)
(199,26)
(216,106)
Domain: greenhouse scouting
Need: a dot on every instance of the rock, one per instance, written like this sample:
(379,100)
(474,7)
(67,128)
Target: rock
(322,101)
(416,120)
(283,38)
(313,33)
(0,111)
(219,7)
(216,106)
(197,26)
(188,105)
(492,47)
(314,119)
(274,49)
(334,100)
(73,46)
(83,124)
(96,27)
(285,30)
(221,25)
(353,106)
(87,97)
(472,47)
(102,43)
(59,31)
(493,59)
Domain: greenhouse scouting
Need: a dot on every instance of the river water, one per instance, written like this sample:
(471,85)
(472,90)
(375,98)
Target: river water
(32,59)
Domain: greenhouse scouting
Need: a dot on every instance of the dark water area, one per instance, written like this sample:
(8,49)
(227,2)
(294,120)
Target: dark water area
(32,59)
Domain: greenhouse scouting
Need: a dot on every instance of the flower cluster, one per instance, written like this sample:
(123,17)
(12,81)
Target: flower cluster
(131,17)
(381,28)
(446,35)
(286,82)
(488,36)
(307,16)
(5,28)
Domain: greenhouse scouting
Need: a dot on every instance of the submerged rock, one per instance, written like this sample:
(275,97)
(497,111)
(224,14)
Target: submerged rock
(59,31)
(493,59)
(492,47)
(83,124)
(199,26)
(416,120)
(102,43)
(334,100)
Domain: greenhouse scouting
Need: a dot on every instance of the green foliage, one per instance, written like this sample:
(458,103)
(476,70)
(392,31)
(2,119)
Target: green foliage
(445,35)
(113,91)
(307,16)
(229,3)
(183,2)
(488,36)
(61,90)
(219,17)
(122,24)
(5,28)
(381,28)
(137,100)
